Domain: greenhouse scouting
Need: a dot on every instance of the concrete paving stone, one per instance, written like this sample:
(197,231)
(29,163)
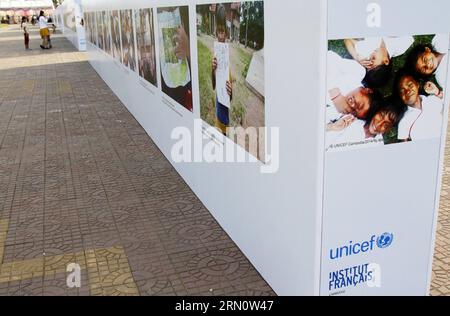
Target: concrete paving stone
(28,287)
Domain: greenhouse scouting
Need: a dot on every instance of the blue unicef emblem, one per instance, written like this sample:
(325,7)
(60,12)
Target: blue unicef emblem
(385,240)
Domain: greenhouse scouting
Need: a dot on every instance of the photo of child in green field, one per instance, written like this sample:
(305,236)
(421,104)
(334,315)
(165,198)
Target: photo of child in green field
(222,110)
(230,44)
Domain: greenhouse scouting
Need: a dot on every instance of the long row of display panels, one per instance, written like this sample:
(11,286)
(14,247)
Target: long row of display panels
(155,44)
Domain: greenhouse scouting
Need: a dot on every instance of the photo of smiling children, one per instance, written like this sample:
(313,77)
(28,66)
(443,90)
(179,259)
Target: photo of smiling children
(231,69)
(100,35)
(175,54)
(385,90)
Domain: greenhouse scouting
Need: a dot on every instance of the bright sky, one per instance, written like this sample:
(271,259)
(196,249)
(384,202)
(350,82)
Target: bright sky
(25,4)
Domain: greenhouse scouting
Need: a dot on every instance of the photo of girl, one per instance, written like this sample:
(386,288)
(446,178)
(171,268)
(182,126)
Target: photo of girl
(175,54)
(429,59)
(115,36)
(145,37)
(385,90)
(128,48)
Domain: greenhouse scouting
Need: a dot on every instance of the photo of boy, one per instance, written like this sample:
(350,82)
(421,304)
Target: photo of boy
(128,48)
(175,54)
(115,36)
(346,92)
(145,37)
(231,70)
(399,96)
(429,60)
(423,117)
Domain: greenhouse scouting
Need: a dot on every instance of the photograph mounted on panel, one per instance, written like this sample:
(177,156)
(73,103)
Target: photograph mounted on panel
(100,35)
(69,20)
(115,36)
(87,24)
(146,52)
(385,90)
(91,27)
(175,54)
(107,31)
(231,70)
(128,48)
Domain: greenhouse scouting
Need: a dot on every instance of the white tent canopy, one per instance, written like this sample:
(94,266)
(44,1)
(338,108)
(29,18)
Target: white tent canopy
(26,4)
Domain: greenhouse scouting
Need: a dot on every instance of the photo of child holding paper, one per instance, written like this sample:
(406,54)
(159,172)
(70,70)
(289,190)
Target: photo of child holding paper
(145,37)
(230,49)
(128,49)
(221,76)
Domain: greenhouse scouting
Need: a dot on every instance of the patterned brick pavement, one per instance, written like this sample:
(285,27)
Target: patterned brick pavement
(80,181)
(440,284)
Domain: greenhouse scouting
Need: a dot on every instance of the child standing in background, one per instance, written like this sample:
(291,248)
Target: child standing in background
(222,111)
(26,35)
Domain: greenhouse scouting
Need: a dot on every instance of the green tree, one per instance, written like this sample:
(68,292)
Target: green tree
(252,24)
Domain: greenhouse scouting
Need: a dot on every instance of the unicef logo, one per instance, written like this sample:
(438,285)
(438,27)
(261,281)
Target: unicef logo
(385,240)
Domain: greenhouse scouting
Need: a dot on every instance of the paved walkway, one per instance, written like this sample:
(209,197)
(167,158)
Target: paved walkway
(80,181)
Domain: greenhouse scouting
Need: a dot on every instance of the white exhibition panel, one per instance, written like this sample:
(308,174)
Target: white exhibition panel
(395,188)
(287,222)
(278,234)
(69,16)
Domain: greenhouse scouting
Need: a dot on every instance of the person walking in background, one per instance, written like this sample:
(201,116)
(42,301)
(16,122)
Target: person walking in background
(26,35)
(45,33)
